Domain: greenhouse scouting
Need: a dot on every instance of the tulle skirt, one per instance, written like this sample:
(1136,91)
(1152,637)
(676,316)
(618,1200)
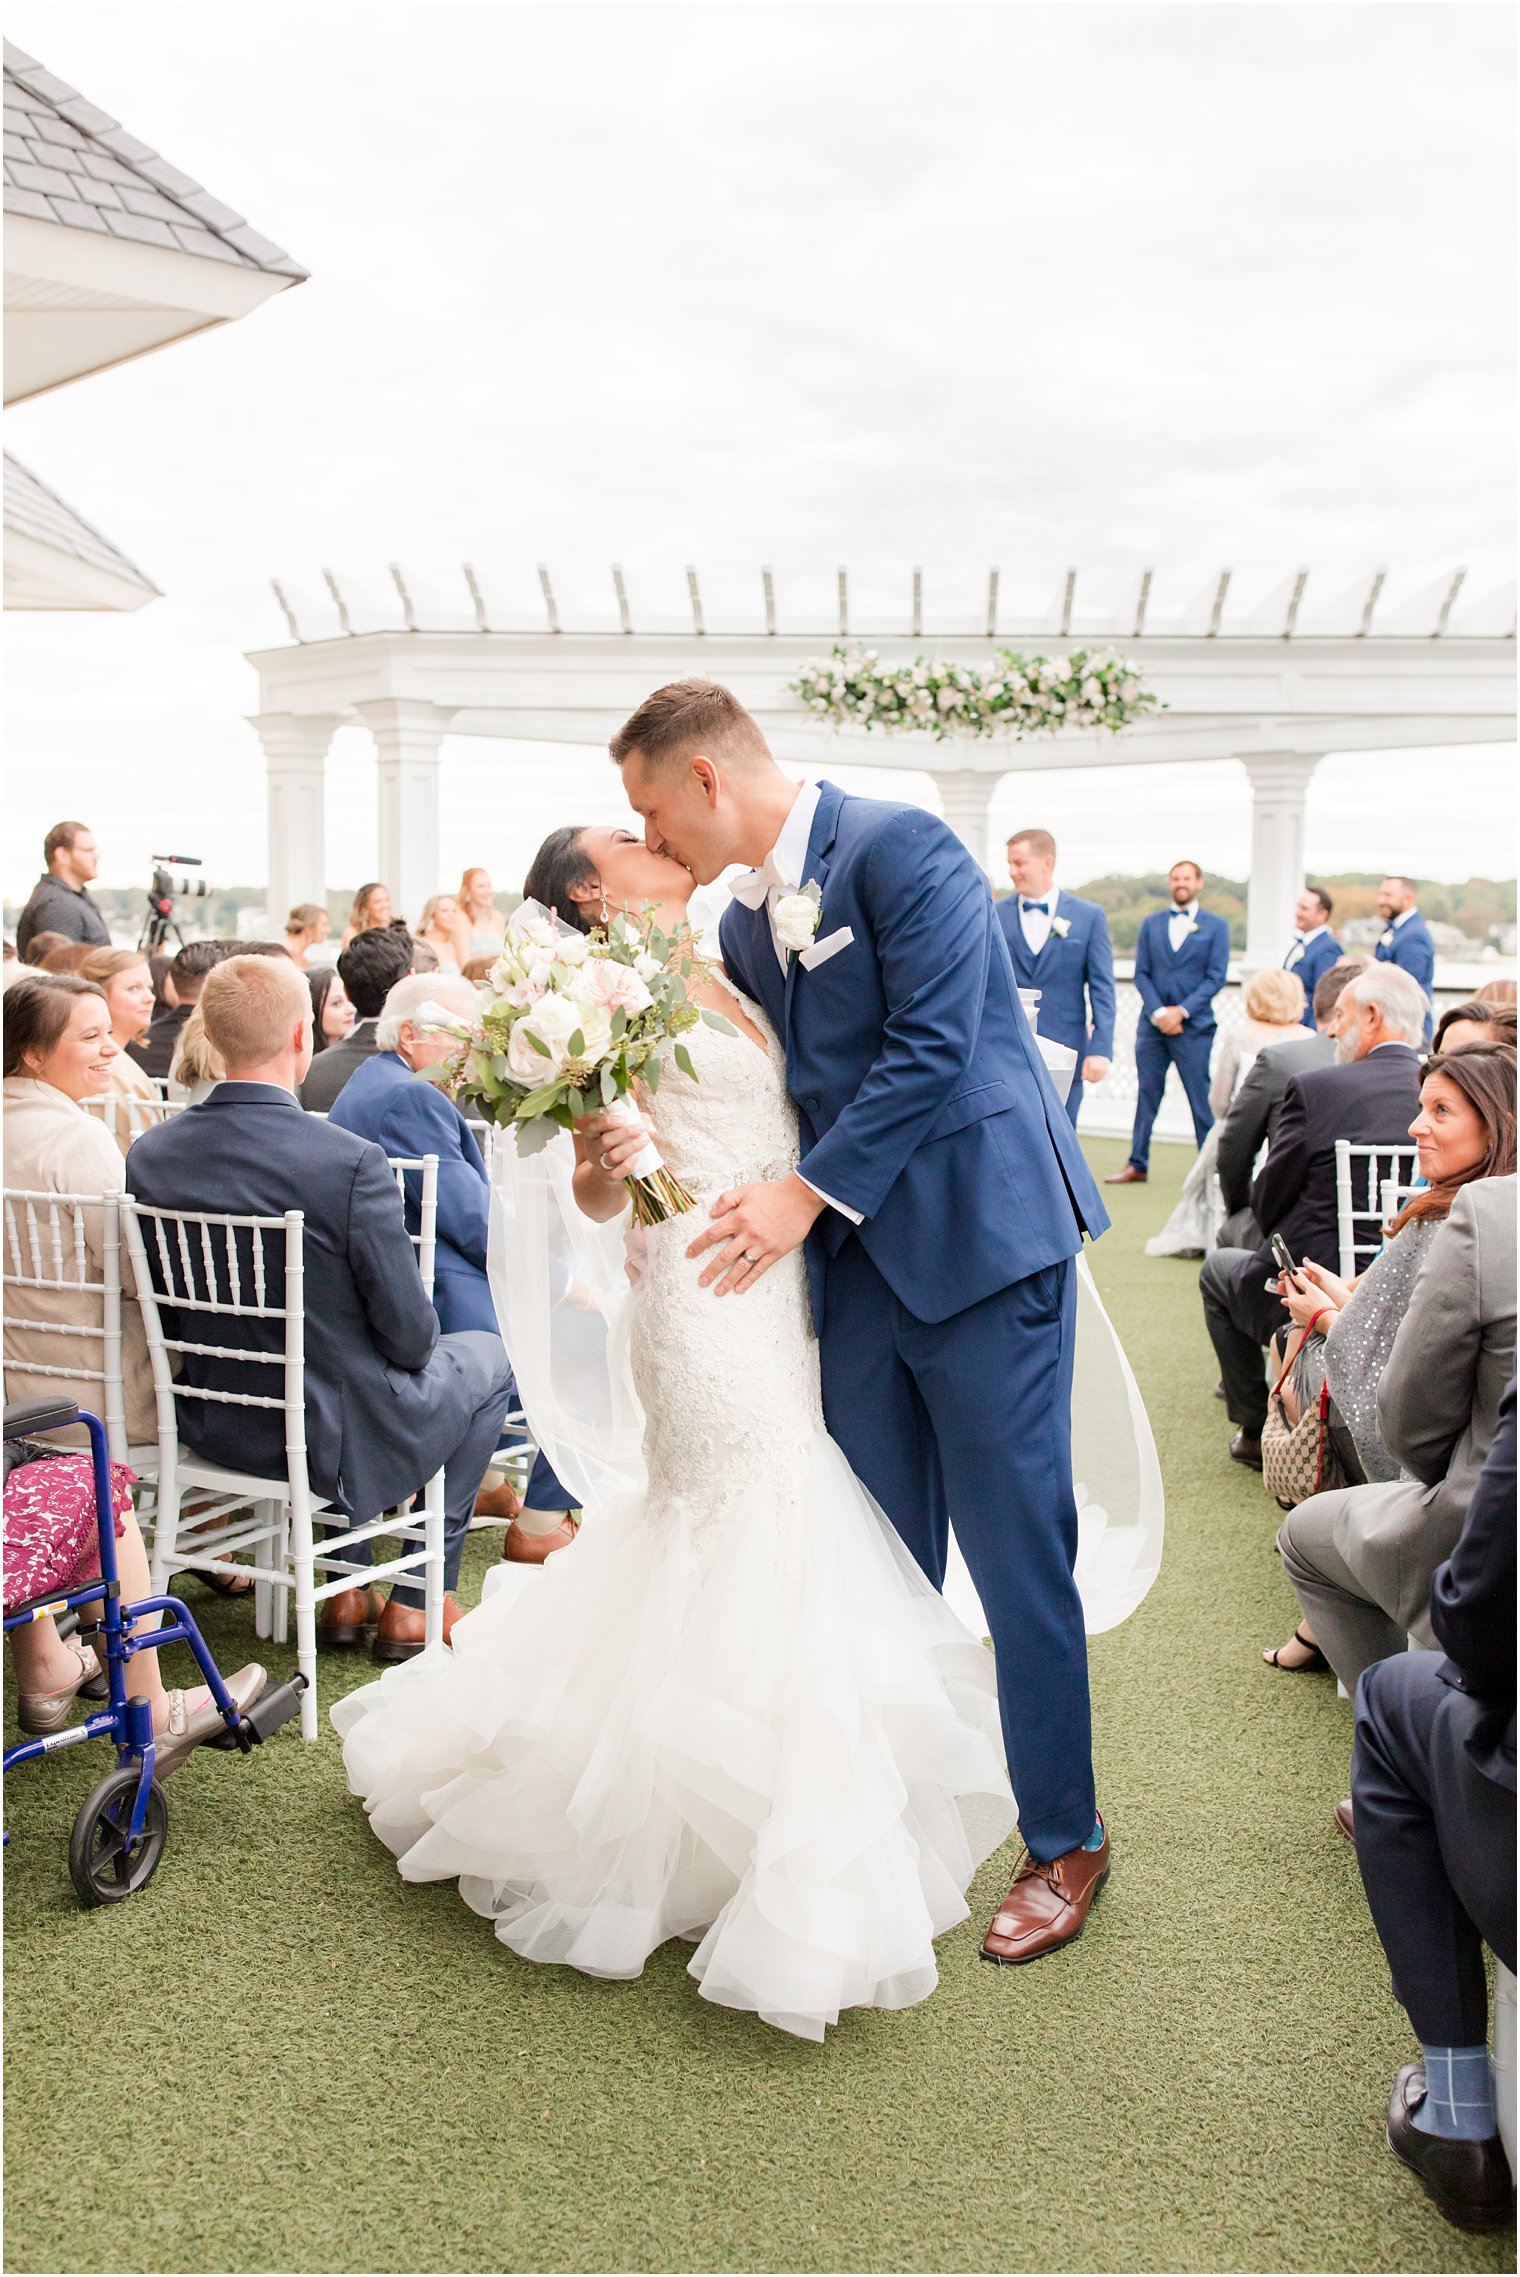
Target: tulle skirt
(758,1729)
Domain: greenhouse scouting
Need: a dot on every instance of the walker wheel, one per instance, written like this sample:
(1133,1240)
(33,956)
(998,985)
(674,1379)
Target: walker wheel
(105,1865)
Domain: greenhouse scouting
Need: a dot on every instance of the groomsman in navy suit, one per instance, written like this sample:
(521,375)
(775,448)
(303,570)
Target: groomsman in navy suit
(1405,940)
(1182,961)
(1315,948)
(1060,945)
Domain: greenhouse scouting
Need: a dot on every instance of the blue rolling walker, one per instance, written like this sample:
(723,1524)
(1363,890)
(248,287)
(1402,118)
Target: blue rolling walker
(123,1824)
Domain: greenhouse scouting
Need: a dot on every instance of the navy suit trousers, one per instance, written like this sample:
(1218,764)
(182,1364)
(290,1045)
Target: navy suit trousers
(1435,1840)
(968,1423)
(1189,1053)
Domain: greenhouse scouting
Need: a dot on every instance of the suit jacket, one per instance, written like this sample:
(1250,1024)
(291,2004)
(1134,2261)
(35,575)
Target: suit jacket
(404,1114)
(1472,1604)
(1371,1101)
(921,1095)
(1252,1114)
(1410,947)
(1074,973)
(379,1417)
(1311,961)
(1193,977)
(331,1068)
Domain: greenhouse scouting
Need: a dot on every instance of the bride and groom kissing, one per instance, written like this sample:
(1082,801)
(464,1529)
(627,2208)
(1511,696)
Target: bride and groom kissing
(738,1710)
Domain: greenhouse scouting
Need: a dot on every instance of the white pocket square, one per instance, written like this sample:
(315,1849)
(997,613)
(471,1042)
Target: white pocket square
(829,946)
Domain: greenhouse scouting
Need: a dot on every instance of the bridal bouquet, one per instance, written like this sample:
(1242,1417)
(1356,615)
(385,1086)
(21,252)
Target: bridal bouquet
(565,1025)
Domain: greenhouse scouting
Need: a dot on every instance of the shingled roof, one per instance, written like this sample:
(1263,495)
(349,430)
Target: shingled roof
(36,512)
(68,162)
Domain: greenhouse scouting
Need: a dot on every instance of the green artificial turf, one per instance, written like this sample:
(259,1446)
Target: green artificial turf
(280,2058)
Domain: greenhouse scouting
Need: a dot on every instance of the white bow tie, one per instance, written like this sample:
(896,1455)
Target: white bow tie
(754,887)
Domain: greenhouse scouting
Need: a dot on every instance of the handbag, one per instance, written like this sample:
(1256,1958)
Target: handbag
(1298,1459)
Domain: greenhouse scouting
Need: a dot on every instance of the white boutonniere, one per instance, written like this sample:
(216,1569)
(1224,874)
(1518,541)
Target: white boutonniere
(1060,926)
(1386,940)
(795,917)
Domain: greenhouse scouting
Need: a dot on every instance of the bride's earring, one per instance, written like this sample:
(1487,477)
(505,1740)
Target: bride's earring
(604,905)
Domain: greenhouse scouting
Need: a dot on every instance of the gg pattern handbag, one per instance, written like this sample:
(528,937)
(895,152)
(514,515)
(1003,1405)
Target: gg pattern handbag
(1298,1459)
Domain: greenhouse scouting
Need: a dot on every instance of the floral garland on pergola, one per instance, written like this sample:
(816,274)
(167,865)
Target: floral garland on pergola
(1015,695)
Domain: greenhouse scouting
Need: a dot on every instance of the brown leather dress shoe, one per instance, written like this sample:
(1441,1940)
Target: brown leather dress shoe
(502,1501)
(346,1617)
(1343,1818)
(403,1629)
(1047,1905)
(1128,1176)
(522,1548)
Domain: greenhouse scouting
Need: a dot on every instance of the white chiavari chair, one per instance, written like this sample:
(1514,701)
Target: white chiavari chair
(1361,1172)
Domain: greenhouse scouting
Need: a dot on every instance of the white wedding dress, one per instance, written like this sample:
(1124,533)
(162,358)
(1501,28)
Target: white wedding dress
(733,1711)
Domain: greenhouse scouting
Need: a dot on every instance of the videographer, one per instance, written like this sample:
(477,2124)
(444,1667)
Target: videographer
(60,900)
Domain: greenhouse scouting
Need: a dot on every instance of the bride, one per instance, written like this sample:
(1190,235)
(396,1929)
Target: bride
(733,1711)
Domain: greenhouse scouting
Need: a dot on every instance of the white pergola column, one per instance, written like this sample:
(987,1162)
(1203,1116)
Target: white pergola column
(408,737)
(966,795)
(295,756)
(1279,788)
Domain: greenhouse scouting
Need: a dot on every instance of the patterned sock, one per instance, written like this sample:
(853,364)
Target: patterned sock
(1459,2096)
(1095,1839)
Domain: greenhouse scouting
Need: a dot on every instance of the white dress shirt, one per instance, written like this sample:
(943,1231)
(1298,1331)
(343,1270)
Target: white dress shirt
(1035,923)
(1180,923)
(1300,943)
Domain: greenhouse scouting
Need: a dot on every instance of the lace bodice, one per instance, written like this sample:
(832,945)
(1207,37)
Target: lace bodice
(735,1123)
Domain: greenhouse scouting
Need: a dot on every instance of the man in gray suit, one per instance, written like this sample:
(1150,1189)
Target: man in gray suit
(1361,1559)
(1251,1118)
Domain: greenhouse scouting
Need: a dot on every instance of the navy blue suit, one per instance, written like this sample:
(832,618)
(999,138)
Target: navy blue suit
(1191,979)
(1074,973)
(387,1398)
(404,1114)
(946,1318)
(1311,961)
(1410,947)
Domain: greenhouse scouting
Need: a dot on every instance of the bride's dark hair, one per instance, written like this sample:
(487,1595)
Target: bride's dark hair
(561,863)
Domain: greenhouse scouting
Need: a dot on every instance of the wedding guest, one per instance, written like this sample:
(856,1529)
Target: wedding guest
(1433,1803)
(1182,961)
(440,929)
(128,984)
(424,957)
(1405,940)
(371,909)
(66,956)
(1369,1097)
(60,901)
(306,928)
(1314,947)
(1251,1119)
(1475,1022)
(383,1101)
(482,926)
(59,1053)
(369,969)
(1273,1005)
(388,1400)
(41,945)
(332,1010)
(1060,945)
(197,1065)
(478,969)
(1499,992)
(14,969)
(181,986)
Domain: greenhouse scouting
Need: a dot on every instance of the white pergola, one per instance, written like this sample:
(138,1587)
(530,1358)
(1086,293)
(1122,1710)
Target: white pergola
(533,657)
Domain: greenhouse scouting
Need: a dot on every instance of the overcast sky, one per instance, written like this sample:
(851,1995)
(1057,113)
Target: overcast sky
(1195,286)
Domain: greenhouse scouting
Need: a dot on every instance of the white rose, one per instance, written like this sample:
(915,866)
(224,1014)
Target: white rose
(613,987)
(795,920)
(527,926)
(646,966)
(554,1021)
(571,949)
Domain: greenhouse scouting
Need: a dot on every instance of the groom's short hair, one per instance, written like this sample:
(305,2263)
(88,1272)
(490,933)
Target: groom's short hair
(687,716)
(1039,842)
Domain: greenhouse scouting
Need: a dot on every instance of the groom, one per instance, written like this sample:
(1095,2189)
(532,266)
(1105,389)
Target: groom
(942,1199)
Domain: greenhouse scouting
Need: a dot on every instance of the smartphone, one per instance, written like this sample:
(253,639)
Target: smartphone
(1283,1257)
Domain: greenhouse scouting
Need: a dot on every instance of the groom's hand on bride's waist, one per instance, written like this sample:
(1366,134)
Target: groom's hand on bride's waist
(753,1227)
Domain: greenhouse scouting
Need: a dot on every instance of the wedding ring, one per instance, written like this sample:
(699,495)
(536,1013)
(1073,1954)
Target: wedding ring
(751,1256)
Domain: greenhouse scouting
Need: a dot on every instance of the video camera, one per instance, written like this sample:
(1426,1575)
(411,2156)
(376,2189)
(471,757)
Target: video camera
(164,894)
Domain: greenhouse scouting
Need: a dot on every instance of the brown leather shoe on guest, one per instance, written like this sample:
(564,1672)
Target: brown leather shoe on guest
(403,1629)
(1245,1448)
(1344,1820)
(346,1617)
(531,1549)
(1047,1905)
(1128,1176)
(502,1501)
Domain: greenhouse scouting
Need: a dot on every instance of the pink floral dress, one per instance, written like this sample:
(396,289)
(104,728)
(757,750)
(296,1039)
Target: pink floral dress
(52,1542)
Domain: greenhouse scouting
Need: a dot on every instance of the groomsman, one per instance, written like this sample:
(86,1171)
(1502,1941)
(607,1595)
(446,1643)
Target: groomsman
(1405,940)
(1182,961)
(1315,948)
(1060,945)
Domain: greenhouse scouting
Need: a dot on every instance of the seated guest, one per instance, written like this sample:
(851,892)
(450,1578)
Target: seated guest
(1251,1118)
(1465,1129)
(369,969)
(386,1100)
(59,1053)
(67,956)
(1314,949)
(181,986)
(478,969)
(40,945)
(387,1399)
(1273,1004)
(1475,1022)
(306,928)
(1369,1097)
(128,985)
(1361,1558)
(1499,992)
(1433,1800)
(1060,945)
(371,908)
(332,1015)
(196,1064)
(439,928)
